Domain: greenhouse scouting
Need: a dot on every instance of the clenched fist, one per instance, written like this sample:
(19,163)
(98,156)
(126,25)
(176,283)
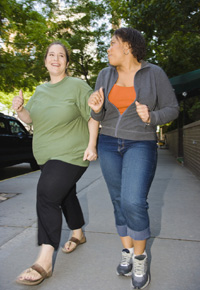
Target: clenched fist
(96,100)
(143,112)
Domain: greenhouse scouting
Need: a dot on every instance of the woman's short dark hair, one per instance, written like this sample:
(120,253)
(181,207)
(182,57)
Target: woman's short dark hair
(134,39)
(63,46)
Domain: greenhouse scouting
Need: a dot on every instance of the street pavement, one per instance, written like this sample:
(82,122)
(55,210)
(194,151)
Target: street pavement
(173,249)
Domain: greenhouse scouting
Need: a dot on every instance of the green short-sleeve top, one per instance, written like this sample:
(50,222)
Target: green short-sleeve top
(60,115)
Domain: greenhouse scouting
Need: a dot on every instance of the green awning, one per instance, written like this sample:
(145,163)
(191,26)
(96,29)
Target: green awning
(186,82)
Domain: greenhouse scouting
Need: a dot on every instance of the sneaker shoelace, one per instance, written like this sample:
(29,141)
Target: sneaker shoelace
(139,266)
(125,259)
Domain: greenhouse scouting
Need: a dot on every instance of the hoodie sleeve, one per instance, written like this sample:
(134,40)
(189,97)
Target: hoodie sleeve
(167,108)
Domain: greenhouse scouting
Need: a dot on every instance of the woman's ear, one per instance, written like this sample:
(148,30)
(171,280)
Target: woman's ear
(126,48)
(126,45)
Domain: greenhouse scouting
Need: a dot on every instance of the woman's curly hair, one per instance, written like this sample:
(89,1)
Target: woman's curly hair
(134,39)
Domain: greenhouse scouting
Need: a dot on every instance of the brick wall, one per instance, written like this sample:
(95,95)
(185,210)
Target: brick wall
(190,146)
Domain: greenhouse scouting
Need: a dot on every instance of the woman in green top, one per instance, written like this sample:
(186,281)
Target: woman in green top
(64,141)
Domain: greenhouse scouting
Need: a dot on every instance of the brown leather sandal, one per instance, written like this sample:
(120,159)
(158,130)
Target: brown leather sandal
(76,243)
(38,269)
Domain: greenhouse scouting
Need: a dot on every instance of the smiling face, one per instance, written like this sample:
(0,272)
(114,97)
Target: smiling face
(56,61)
(116,51)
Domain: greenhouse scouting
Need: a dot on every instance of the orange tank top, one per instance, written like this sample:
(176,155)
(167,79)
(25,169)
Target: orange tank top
(122,97)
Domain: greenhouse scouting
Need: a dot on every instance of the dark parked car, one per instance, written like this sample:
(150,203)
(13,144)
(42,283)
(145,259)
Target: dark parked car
(15,143)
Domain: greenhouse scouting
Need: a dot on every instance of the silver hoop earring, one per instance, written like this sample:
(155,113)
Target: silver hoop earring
(126,53)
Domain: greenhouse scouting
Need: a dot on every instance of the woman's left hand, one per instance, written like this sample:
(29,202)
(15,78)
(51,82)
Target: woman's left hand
(143,112)
(90,154)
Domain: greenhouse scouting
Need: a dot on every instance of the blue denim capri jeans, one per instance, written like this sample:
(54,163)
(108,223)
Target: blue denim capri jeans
(128,168)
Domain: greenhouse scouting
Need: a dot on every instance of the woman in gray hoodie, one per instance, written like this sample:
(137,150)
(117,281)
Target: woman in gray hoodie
(131,98)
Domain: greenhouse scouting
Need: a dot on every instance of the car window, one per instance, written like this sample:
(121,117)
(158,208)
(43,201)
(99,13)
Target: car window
(3,129)
(15,128)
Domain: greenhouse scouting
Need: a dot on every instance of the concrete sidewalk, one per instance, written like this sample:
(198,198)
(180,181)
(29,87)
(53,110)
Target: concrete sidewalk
(173,249)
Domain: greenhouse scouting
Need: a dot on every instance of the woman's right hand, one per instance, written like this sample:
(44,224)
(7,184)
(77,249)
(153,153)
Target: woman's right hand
(96,100)
(18,101)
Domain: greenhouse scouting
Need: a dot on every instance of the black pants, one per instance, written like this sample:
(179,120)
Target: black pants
(56,193)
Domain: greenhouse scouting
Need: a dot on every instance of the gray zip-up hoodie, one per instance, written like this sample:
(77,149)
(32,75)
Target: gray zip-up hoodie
(152,88)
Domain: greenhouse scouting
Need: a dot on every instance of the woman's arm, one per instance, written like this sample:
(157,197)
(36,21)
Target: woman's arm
(167,106)
(24,115)
(91,151)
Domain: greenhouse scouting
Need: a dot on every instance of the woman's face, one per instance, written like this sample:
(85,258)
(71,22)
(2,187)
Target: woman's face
(56,61)
(116,51)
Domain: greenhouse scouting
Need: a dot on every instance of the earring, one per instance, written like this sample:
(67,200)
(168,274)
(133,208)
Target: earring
(125,52)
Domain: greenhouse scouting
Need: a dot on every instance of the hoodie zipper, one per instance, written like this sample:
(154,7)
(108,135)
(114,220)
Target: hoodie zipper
(116,128)
(136,99)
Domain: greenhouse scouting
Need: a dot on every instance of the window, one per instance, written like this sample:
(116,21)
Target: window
(3,128)
(15,128)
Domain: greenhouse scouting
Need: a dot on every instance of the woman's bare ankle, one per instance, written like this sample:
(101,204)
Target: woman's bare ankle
(45,257)
(78,234)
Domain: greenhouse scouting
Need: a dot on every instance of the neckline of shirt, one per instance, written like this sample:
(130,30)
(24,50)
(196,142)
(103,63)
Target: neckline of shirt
(49,84)
(123,86)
